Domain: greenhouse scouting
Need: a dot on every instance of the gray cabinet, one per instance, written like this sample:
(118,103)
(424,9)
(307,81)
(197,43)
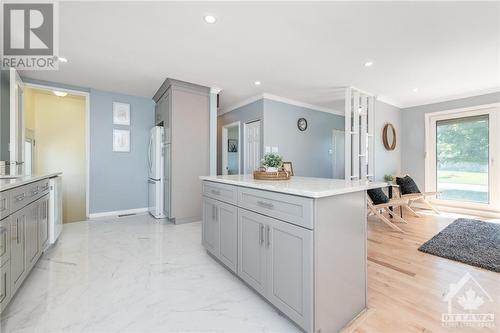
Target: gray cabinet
(23,235)
(4,241)
(43,222)
(220,231)
(275,258)
(32,246)
(182,109)
(290,270)
(5,288)
(210,226)
(17,249)
(227,218)
(251,249)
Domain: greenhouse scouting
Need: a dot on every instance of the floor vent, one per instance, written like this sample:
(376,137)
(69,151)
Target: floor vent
(124,215)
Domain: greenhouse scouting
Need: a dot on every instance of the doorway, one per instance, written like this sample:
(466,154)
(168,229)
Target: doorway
(338,154)
(57,123)
(461,149)
(231,149)
(252,154)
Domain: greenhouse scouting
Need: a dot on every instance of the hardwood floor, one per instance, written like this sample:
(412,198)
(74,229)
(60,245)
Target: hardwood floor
(406,287)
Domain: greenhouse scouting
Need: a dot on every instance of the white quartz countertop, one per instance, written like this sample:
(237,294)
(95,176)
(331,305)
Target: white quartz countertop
(301,186)
(7,184)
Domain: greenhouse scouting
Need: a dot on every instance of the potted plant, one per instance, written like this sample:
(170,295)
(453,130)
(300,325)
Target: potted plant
(272,162)
(389,178)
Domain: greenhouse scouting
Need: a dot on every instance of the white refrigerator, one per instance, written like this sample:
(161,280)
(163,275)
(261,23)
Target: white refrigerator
(155,170)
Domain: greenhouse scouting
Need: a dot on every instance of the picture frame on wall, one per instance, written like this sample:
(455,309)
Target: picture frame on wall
(232,145)
(121,141)
(121,113)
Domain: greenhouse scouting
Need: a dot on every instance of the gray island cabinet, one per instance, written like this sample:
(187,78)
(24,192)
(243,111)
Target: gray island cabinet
(301,243)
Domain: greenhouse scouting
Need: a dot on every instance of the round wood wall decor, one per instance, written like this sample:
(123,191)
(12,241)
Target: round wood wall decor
(389,137)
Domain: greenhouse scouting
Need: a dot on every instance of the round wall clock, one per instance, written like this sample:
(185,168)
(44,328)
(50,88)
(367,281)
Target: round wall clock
(302,124)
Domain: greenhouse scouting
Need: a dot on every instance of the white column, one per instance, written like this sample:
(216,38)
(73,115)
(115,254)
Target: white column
(213,130)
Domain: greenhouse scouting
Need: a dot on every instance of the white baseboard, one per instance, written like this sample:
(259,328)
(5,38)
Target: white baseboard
(118,212)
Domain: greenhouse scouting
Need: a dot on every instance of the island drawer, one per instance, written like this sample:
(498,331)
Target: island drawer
(289,208)
(18,198)
(4,204)
(222,192)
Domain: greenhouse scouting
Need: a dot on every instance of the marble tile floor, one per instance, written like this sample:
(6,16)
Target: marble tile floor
(133,274)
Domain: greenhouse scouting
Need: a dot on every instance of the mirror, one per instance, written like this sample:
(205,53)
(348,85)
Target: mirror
(389,137)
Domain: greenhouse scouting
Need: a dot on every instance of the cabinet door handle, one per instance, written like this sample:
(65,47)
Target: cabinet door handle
(261,234)
(268,235)
(265,204)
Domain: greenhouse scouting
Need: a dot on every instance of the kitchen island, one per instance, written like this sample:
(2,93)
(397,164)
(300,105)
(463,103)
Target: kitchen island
(301,243)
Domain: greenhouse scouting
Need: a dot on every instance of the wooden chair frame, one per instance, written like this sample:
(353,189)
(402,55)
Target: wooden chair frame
(378,210)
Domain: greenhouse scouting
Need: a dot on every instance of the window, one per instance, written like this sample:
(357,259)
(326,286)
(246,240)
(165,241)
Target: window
(462,155)
(461,146)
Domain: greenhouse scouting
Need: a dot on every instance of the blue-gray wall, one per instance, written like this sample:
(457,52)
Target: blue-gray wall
(413,131)
(118,181)
(245,114)
(308,150)
(387,161)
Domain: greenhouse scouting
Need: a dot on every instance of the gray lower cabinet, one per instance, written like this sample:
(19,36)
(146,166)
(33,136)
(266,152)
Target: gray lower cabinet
(43,222)
(24,231)
(17,249)
(220,231)
(31,233)
(266,247)
(251,249)
(5,288)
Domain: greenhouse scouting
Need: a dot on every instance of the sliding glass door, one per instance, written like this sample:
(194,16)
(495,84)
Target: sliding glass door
(462,159)
(461,145)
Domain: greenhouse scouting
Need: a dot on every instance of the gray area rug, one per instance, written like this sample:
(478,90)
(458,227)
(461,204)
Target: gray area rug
(472,242)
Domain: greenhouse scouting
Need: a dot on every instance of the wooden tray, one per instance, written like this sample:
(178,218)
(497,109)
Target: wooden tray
(279,175)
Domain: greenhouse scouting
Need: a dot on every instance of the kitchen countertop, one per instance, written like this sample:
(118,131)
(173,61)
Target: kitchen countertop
(7,184)
(302,186)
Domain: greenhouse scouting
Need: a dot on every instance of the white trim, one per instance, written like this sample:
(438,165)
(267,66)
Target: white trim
(494,168)
(119,212)
(224,146)
(87,133)
(451,98)
(280,99)
(240,104)
(213,130)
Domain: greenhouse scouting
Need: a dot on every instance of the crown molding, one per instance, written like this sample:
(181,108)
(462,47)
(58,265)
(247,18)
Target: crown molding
(453,97)
(280,99)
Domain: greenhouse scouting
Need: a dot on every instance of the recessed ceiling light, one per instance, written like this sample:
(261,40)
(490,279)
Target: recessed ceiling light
(60,93)
(415,89)
(210,19)
(62,59)
(257,83)
(369,64)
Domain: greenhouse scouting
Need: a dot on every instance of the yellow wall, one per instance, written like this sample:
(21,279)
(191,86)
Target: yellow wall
(59,126)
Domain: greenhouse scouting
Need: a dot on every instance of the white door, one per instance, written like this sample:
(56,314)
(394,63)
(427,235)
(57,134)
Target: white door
(338,154)
(252,146)
(16,120)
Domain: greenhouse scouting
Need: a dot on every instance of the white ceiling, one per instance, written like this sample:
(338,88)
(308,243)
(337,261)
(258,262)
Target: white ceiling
(298,50)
